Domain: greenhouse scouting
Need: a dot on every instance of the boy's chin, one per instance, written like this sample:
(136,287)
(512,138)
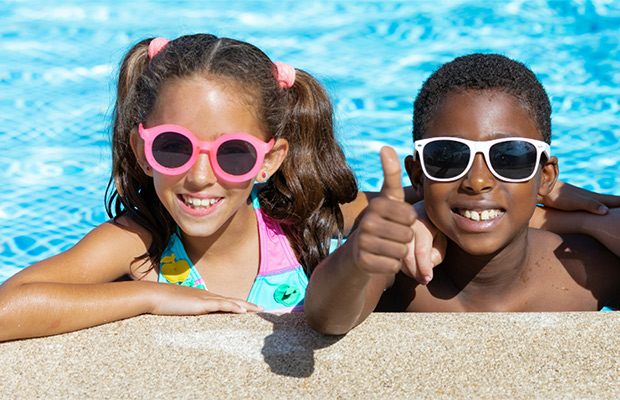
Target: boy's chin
(480,247)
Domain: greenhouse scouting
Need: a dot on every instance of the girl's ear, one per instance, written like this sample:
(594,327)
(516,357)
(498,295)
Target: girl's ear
(137,145)
(273,160)
(548,177)
(414,170)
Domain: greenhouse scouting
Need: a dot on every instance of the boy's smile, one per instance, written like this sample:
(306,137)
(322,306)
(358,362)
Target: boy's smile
(479,212)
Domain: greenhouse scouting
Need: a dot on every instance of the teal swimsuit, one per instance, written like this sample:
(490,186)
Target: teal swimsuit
(280,285)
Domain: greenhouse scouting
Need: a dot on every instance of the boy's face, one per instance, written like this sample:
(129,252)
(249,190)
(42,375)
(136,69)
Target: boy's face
(479,212)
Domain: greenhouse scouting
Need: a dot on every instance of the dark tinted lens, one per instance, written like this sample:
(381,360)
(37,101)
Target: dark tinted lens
(515,159)
(445,158)
(171,149)
(236,157)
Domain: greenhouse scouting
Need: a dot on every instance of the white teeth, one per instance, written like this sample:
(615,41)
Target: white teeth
(481,215)
(199,203)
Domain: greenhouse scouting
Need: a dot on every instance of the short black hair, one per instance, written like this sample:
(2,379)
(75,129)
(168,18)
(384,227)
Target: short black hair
(477,72)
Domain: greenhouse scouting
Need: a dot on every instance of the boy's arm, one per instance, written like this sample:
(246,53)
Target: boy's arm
(348,284)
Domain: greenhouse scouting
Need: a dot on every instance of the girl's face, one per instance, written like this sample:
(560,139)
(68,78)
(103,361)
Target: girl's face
(200,203)
(479,212)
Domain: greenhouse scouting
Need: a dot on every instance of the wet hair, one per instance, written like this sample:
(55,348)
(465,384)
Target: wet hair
(483,72)
(304,195)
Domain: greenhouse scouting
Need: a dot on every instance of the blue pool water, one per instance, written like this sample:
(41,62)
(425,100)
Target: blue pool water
(59,61)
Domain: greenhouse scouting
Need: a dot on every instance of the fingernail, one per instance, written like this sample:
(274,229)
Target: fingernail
(603,208)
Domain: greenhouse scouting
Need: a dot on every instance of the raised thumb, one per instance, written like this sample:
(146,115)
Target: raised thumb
(392,180)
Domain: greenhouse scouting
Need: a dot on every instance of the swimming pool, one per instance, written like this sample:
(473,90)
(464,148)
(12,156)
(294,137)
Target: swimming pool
(60,59)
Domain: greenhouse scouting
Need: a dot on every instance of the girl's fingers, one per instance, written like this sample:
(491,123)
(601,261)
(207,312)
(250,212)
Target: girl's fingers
(375,226)
(379,264)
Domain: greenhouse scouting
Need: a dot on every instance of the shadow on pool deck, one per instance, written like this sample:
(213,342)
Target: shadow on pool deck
(289,349)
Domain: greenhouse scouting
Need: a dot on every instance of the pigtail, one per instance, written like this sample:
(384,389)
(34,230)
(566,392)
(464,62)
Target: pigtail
(305,194)
(129,190)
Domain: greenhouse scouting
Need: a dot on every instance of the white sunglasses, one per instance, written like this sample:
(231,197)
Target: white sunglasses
(511,159)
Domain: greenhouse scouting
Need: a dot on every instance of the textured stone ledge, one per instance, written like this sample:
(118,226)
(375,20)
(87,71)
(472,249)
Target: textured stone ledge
(478,356)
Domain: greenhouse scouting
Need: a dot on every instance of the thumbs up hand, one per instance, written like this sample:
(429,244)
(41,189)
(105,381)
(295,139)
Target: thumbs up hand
(385,231)
(426,250)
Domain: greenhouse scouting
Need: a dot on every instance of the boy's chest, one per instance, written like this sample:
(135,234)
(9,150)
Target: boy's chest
(545,290)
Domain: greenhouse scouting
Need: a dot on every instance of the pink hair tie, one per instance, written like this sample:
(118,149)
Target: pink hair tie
(156,45)
(285,74)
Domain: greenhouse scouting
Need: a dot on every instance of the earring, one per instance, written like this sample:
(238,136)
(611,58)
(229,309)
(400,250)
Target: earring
(263,175)
(147,168)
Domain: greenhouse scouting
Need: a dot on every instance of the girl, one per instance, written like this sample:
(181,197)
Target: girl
(482,131)
(197,121)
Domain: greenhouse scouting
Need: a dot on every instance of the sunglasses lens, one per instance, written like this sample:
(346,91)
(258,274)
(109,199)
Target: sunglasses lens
(445,159)
(171,149)
(236,157)
(514,159)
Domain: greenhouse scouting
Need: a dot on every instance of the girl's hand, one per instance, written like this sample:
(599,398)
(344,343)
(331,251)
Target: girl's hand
(567,197)
(426,250)
(183,300)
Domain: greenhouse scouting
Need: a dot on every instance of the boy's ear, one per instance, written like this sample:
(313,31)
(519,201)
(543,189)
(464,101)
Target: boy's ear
(548,177)
(414,170)
(273,160)
(137,145)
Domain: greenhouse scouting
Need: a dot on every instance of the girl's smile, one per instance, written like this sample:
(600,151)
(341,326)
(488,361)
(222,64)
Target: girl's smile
(199,205)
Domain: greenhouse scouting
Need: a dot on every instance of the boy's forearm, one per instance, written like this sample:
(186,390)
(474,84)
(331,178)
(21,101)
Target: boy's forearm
(336,295)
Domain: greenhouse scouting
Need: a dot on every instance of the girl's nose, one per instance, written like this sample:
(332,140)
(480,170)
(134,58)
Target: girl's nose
(479,178)
(201,174)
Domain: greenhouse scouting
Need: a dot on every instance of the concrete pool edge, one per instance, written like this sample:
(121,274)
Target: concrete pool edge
(486,355)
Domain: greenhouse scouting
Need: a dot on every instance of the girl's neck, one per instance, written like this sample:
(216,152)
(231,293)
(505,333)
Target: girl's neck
(492,275)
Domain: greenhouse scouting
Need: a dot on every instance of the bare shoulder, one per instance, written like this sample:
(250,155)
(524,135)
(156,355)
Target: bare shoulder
(106,253)
(588,263)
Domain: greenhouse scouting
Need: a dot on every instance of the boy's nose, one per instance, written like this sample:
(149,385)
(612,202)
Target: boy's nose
(201,173)
(479,178)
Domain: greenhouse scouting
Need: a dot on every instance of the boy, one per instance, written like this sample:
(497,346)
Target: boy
(482,129)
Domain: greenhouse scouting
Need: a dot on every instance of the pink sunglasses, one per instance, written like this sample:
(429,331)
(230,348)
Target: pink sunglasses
(173,150)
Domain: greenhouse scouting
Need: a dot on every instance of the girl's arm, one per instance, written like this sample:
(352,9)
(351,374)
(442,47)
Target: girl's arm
(76,289)
(567,197)
(604,228)
(342,291)
(346,287)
